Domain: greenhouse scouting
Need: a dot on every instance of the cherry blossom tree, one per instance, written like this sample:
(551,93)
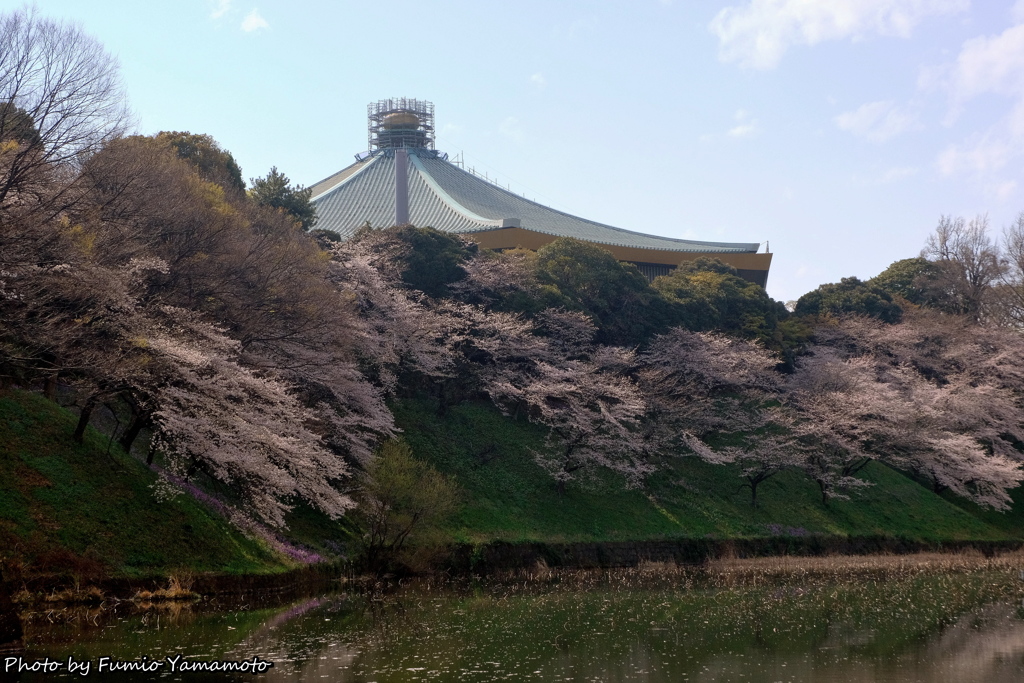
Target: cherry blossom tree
(848,417)
(546,368)
(395,330)
(768,444)
(215,321)
(593,418)
(704,389)
(935,395)
(699,383)
(250,269)
(549,370)
(244,428)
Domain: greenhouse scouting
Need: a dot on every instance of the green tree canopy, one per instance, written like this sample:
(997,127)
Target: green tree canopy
(914,279)
(705,264)
(708,294)
(16,124)
(850,295)
(434,259)
(403,502)
(616,295)
(277,191)
(214,164)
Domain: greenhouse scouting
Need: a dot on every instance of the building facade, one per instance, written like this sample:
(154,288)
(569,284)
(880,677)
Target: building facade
(403,179)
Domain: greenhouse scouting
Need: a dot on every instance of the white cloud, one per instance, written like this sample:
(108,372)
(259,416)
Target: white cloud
(981,154)
(988,65)
(538,80)
(745,125)
(1006,190)
(1015,119)
(220,8)
(757,34)
(1017,11)
(743,130)
(897,173)
(254,22)
(877,121)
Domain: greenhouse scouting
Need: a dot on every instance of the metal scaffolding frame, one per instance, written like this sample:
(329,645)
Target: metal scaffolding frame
(389,129)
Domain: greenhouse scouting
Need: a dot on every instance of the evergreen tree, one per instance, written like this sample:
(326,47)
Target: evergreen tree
(850,296)
(277,191)
(202,151)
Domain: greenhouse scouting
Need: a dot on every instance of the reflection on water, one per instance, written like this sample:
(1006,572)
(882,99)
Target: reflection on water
(963,627)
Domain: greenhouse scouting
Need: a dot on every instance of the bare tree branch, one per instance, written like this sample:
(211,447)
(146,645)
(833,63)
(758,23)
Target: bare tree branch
(66,87)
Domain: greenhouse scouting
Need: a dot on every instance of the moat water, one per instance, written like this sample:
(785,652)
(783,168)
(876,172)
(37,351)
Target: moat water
(965,627)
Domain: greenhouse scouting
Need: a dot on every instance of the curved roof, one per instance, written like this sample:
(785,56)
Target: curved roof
(445,197)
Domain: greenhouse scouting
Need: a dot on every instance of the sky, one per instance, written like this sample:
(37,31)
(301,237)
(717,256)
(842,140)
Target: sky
(836,131)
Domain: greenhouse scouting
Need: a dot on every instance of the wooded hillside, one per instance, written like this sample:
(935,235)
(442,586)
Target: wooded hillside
(256,360)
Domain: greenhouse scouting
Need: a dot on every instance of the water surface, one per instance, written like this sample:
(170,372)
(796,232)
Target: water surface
(616,626)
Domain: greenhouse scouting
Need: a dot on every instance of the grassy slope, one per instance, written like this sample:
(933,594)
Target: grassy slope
(70,507)
(509,498)
(58,496)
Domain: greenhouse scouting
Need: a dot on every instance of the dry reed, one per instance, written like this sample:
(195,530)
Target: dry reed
(736,571)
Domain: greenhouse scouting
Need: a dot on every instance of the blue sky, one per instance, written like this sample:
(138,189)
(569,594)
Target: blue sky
(837,130)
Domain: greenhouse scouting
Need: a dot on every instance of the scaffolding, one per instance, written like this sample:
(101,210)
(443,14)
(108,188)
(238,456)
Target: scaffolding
(400,122)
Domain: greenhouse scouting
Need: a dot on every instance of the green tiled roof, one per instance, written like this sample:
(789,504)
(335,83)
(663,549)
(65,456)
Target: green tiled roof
(445,197)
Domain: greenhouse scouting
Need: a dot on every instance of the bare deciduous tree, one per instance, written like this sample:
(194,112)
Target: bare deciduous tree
(60,98)
(1011,292)
(970,264)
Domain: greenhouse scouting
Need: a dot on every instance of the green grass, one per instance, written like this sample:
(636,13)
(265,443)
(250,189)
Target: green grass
(507,497)
(1010,522)
(89,509)
(311,528)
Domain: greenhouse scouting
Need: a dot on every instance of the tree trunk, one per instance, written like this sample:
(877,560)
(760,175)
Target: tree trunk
(853,469)
(135,427)
(568,468)
(50,387)
(442,399)
(83,418)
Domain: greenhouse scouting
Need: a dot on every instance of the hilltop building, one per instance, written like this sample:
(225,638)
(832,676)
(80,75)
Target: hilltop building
(403,179)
